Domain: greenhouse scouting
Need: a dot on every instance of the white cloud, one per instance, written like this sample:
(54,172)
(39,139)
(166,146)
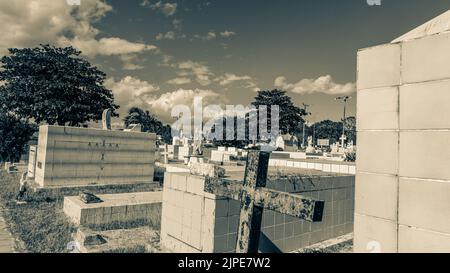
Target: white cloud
(167,9)
(227,34)
(31,22)
(210,36)
(106,46)
(130,62)
(323,84)
(179,81)
(129,91)
(201,72)
(166,36)
(229,78)
(167,101)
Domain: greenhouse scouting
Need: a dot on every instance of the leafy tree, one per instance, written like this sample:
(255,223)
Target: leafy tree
(328,129)
(53,85)
(226,130)
(290,115)
(149,123)
(14,135)
(350,129)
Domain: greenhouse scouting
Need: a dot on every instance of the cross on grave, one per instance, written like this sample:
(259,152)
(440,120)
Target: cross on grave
(254,198)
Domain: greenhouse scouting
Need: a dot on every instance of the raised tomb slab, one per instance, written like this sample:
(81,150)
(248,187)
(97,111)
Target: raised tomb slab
(81,157)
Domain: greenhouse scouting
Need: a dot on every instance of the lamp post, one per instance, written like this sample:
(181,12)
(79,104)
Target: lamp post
(305,106)
(343,99)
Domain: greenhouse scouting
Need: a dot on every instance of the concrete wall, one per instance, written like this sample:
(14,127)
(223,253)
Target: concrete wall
(195,221)
(402,182)
(69,156)
(319,165)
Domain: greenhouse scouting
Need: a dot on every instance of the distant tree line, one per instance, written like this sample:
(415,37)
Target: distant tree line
(52,85)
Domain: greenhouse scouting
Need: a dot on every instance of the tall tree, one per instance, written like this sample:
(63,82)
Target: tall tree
(14,135)
(148,122)
(350,129)
(328,129)
(290,115)
(53,85)
(234,131)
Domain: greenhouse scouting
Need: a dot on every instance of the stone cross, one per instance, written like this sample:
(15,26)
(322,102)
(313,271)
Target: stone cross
(106,119)
(254,197)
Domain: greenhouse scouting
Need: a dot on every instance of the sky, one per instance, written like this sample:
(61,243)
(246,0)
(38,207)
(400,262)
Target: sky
(158,54)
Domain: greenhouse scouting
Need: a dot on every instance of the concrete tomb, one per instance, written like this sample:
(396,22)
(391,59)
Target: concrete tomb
(194,220)
(73,157)
(115,210)
(403,178)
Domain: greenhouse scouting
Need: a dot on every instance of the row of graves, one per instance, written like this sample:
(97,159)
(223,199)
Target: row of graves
(106,181)
(324,149)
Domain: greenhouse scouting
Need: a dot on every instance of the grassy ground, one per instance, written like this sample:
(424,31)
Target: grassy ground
(40,224)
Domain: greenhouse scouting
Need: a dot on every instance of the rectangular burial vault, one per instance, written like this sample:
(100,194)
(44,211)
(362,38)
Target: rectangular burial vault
(194,221)
(118,209)
(71,157)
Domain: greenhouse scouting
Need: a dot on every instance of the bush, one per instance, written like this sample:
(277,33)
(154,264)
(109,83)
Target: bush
(350,157)
(14,134)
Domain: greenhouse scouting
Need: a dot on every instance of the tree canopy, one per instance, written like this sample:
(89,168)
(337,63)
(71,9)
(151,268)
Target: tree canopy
(350,129)
(290,115)
(53,85)
(328,129)
(14,135)
(148,122)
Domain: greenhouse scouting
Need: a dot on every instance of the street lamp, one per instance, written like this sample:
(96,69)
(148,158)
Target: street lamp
(305,106)
(344,99)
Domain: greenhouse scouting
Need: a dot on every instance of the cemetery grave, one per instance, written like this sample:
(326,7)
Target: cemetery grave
(197,221)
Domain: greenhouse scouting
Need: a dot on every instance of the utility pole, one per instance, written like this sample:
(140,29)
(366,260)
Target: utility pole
(305,107)
(343,99)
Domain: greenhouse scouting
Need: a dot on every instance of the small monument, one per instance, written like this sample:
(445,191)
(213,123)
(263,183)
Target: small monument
(106,119)
(287,142)
(310,149)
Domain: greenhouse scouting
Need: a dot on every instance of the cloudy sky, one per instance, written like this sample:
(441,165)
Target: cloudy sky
(158,54)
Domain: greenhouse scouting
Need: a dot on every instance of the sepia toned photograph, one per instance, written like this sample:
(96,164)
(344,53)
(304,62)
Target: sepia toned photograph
(256,127)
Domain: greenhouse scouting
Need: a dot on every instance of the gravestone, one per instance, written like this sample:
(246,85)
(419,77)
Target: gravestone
(287,142)
(32,161)
(184,152)
(106,119)
(217,156)
(176,141)
(310,149)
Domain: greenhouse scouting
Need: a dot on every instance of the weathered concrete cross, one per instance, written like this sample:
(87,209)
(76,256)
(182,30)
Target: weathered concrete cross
(254,197)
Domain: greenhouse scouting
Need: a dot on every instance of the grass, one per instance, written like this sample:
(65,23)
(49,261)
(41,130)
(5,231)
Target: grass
(40,224)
